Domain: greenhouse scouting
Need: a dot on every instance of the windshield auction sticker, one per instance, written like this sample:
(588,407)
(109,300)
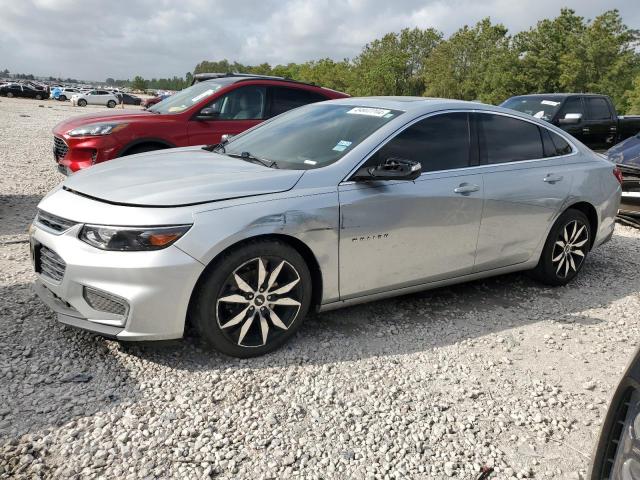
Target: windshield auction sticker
(372,112)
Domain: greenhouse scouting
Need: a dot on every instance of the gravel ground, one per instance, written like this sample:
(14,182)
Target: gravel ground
(501,372)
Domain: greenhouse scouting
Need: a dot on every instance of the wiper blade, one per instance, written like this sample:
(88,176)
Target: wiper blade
(216,147)
(251,158)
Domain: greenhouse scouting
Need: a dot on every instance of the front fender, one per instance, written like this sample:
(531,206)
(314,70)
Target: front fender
(311,219)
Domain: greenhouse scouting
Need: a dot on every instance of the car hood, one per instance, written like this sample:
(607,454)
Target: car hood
(81,120)
(178,177)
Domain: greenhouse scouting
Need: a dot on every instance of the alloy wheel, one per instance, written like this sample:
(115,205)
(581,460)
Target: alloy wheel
(259,301)
(570,248)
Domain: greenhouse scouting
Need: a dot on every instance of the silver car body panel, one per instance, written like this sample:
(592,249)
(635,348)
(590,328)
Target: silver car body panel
(369,240)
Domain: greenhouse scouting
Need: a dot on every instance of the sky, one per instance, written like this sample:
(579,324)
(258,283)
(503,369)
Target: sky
(94,40)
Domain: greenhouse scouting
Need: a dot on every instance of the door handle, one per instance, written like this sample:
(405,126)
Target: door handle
(585,130)
(466,188)
(551,178)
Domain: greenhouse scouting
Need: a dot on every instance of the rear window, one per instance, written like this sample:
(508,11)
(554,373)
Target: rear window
(598,108)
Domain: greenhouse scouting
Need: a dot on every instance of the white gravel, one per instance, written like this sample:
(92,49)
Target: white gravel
(501,372)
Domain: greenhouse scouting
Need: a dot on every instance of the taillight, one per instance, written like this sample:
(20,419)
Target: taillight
(618,174)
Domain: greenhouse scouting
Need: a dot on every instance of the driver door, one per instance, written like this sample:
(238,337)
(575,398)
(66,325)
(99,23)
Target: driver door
(396,234)
(237,111)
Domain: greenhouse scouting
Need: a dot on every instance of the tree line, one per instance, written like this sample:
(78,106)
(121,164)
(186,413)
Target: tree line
(483,62)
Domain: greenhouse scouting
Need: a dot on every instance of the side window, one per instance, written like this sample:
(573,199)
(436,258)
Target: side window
(284,99)
(245,103)
(441,142)
(572,105)
(507,139)
(554,144)
(598,108)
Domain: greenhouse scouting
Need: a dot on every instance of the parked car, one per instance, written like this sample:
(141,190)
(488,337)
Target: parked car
(198,115)
(148,102)
(94,97)
(129,99)
(617,454)
(590,118)
(22,90)
(627,156)
(325,206)
(66,93)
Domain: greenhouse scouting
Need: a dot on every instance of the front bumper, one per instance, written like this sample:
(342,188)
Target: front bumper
(78,153)
(156,286)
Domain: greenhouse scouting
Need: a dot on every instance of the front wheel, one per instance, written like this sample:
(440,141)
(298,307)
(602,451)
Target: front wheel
(253,299)
(9,95)
(62,98)
(111,104)
(565,250)
(82,102)
(38,97)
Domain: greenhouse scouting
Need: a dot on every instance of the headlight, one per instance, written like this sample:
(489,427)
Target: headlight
(127,239)
(96,129)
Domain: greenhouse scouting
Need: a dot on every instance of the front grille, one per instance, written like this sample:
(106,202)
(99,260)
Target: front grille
(50,264)
(60,148)
(105,302)
(53,223)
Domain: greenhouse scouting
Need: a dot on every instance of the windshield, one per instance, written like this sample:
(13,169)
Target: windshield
(312,136)
(185,98)
(539,107)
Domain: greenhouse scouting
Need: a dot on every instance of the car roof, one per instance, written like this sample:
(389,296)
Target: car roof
(407,104)
(558,95)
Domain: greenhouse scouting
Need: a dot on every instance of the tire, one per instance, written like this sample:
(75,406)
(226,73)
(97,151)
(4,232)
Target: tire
(111,104)
(565,250)
(82,102)
(247,324)
(62,98)
(38,97)
(9,95)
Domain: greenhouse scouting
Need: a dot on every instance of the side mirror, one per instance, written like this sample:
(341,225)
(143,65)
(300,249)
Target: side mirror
(570,119)
(391,169)
(207,113)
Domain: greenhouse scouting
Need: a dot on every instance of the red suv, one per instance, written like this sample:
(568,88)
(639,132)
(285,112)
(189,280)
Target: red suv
(226,104)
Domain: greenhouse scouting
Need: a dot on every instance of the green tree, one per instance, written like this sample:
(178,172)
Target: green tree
(393,64)
(602,59)
(475,63)
(541,50)
(633,97)
(139,83)
(110,81)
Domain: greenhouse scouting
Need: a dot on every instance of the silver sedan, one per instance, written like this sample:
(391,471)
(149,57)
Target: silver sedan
(324,206)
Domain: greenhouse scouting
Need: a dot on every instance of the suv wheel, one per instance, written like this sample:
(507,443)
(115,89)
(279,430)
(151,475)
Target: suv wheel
(38,97)
(9,95)
(254,299)
(82,102)
(111,104)
(565,250)
(62,98)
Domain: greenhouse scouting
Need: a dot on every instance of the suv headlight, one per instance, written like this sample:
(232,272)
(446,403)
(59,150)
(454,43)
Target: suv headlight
(128,239)
(96,129)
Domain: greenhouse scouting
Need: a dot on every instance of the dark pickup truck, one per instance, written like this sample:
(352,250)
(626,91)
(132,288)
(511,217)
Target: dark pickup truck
(590,118)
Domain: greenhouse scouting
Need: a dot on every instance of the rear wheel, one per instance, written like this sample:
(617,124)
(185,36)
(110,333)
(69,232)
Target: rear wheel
(62,98)
(111,104)
(254,299)
(38,97)
(565,250)
(9,95)
(82,102)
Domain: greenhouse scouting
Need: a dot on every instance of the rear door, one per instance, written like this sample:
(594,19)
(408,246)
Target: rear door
(238,110)
(601,123)
(524,187)
(395,234)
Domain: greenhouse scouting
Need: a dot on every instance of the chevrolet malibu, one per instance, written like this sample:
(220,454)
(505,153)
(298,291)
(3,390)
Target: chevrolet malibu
(327,205)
